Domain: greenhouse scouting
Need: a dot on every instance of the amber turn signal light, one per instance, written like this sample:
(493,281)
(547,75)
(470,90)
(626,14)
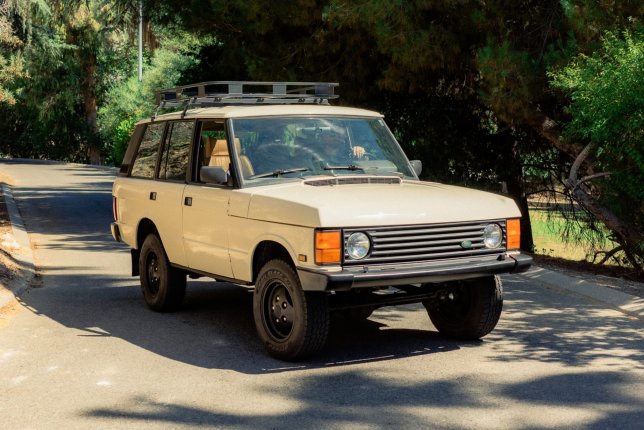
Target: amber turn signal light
(328,246)
(513,228)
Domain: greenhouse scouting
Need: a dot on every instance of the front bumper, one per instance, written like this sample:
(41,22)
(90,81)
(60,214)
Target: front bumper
(411,273)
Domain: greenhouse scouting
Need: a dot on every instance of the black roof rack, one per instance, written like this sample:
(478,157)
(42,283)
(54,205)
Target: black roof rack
(217,93)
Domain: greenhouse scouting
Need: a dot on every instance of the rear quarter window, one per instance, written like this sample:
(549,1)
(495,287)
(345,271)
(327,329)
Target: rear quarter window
(146,157)
(175,157)
(133,144)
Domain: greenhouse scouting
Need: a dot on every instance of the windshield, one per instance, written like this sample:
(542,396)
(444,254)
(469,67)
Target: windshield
(285,148)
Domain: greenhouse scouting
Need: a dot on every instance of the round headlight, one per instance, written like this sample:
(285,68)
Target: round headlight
(492,236)
(358,245)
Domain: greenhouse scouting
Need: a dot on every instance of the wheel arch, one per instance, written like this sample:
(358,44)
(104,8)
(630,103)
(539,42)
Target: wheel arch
(145,227)
(268,250)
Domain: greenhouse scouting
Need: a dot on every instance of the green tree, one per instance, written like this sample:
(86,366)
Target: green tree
(15,28)
(514,67)
(606,91)
(61,44)
(128,100)
(10,60)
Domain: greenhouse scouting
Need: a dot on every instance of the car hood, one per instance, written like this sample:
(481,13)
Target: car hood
(367,205)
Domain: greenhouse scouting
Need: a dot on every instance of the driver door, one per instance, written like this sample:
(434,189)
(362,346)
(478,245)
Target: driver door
(205,207)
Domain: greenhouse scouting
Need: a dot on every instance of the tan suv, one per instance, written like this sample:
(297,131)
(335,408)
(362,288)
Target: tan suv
(316,206)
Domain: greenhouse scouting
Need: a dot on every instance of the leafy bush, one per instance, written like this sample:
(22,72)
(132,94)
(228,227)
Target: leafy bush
(129,101)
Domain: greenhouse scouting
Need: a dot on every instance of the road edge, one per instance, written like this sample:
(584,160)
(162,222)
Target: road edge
(25,257)
(618,300)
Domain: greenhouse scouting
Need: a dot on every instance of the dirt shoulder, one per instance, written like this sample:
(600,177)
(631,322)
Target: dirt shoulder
(617,278)
(8,267)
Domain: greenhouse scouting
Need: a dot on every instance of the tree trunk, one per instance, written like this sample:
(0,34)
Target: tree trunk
(88,90)
(81,33)
(630,238)
(516,190)
(627,236)
(513,178)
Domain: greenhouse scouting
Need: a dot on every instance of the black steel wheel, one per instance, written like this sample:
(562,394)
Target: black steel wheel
(278,310)
(163,286)
(291,323)
(467,309)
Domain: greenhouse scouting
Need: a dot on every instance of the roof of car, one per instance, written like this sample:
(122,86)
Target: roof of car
(249,111)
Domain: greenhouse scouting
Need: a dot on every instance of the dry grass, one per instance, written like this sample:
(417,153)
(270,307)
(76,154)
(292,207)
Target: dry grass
(551,249)
(7,266)
(548,237)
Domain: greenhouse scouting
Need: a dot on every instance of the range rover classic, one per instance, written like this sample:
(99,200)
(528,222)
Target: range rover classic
(315,206)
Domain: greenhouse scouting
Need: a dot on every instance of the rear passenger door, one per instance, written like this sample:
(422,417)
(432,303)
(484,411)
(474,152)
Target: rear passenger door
(136,192)
(167,192)
(205,206)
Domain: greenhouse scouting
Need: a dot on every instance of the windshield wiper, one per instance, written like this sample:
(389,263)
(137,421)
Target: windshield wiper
(279,172)
(349,167)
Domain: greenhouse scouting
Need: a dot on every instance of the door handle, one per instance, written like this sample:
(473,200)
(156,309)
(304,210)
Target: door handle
(187,201)
(153,195)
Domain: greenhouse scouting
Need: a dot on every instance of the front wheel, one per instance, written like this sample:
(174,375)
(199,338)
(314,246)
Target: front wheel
(163,286)
(290,322)
(467,309)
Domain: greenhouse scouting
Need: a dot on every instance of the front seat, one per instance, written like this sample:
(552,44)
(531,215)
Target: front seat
(221,157)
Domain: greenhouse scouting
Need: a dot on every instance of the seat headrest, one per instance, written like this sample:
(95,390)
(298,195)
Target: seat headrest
(221,146)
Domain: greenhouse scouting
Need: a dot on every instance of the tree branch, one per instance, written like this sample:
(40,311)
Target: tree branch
(591,177)
(572,178)
(548,128)
(608,254)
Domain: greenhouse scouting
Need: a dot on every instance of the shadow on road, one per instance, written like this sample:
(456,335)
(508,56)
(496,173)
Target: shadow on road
(216,327)
(364,404)
(573,333)
(215,330)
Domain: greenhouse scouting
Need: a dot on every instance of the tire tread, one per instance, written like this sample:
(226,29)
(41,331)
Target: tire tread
(487,304)
(315,314)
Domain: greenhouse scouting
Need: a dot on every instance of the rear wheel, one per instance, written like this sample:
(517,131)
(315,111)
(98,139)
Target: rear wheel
(467,309)
(163,286)
(290,322)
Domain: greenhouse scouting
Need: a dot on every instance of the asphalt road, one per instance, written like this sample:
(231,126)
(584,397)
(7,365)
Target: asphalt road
(81,350)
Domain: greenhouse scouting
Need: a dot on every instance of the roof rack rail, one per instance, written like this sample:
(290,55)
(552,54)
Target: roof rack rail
(217,93)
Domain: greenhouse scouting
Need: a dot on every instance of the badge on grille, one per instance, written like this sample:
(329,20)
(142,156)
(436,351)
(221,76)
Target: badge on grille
(466,244)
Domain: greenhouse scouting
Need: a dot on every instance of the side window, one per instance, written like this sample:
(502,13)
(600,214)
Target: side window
(176,154)
(146,158)
(214,150)
(213,147)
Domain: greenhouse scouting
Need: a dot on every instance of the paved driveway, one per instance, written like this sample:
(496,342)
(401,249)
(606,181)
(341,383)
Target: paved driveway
(82,351)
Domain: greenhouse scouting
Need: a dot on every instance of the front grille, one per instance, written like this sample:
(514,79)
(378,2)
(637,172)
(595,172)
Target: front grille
(424,242)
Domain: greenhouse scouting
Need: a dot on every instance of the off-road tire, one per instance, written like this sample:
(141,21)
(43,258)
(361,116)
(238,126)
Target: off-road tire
(291,323)
(467,310)
(163,286)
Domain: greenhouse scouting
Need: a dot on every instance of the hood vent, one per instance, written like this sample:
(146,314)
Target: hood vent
(354,180)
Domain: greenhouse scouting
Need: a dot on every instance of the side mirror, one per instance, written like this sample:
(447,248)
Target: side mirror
(213,175)
(417,165)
